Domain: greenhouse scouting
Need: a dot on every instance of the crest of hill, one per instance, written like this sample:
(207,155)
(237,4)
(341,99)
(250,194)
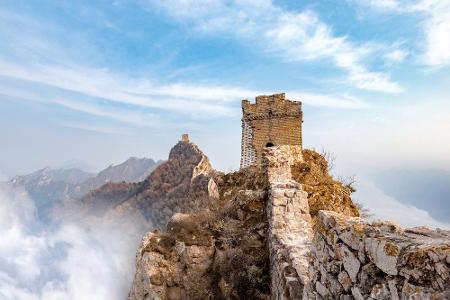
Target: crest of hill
(180,184)
(224,243)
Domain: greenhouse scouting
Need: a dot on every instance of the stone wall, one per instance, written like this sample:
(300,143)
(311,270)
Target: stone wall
(351,259)
(272,119)
(290,229)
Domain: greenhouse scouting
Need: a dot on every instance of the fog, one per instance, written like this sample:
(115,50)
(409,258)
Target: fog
(385,207)
(89,259)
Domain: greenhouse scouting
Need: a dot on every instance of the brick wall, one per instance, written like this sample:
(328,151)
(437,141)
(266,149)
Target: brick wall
(272,119)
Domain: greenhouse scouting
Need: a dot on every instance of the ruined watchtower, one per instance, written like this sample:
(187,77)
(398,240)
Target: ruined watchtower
(272,120)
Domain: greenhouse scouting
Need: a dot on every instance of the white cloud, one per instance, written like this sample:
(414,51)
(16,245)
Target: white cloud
(388,208)
(435,26)
(45,71)
(74,261)
(120,89)
(380,4)
(437,31)
(293,36)
(335,101)
(373,81)
(122,99)
(397,55)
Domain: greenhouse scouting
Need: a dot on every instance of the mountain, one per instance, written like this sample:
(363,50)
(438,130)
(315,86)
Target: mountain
(47,176)
(47,186)
(132,170)
(181,184)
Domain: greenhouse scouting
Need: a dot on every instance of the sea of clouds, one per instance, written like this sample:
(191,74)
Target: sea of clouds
(89,259)
(385,207)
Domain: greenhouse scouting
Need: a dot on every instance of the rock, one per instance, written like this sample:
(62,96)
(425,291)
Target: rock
(379,292)
(157,279)
(174,293)
(351,238)
(345,280)
(400,264)
(321,289)
(351,263)
(384,254)
(393,289)
(411,291)
(357,293)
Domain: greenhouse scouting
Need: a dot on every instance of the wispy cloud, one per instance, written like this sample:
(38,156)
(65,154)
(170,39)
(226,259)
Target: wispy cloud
(94,128)
(435,25)
(37,66)
(437,31)
(141,93)
(397,55)
(335,101)
(379,4)
(293,36)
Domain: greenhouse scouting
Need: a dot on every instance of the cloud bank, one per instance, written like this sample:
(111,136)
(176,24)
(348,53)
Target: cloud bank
(388,208)
(94,260)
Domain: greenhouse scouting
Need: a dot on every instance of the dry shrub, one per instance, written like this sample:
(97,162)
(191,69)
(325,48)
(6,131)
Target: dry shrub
(324,192)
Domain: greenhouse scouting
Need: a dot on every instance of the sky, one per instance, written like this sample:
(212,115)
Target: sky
(100,81)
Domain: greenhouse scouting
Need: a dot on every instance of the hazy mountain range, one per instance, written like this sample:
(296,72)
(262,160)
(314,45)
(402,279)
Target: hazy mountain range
(48,186)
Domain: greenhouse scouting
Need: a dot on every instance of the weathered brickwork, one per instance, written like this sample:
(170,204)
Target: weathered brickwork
(272,120)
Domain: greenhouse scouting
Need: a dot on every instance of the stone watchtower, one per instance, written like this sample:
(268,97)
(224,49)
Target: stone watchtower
(272,120)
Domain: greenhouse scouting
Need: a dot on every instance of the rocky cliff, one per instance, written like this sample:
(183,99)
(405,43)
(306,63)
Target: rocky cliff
(285,230)
(181,184)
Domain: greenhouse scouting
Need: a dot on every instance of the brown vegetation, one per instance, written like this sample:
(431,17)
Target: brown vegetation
(324,192)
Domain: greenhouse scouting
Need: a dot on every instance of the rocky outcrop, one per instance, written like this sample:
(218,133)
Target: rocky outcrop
(268,234)
(352,259)
(217,253)
(181,184)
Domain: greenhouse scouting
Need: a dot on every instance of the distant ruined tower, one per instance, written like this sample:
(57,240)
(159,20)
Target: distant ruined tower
(272,120)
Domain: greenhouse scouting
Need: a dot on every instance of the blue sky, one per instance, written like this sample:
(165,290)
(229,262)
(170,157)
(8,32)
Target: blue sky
(99,81)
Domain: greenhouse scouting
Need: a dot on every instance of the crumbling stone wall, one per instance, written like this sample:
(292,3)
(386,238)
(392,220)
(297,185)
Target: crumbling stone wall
(290,228)
(272,119)
(351,259)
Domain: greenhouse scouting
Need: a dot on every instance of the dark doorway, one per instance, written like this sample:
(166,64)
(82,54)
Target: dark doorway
(269,144)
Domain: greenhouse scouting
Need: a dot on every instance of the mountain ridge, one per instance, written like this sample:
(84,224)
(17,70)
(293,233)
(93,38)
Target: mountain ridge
(47,186)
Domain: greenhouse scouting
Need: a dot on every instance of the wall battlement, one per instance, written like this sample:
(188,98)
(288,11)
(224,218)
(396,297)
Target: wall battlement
(271,120)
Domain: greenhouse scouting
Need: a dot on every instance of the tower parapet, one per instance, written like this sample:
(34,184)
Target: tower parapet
(271,120)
